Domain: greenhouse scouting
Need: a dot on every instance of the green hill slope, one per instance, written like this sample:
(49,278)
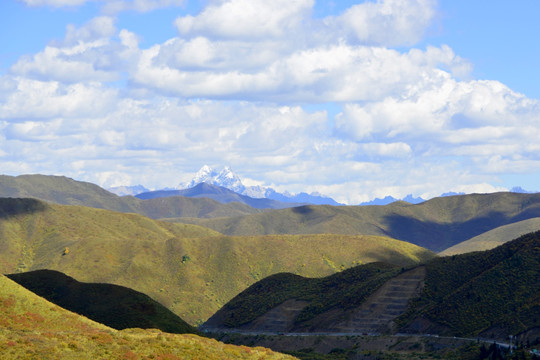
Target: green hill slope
(191,270)
(435,224)
(495,237)
(33,328)
(492,293)
(344,290)
(112,305)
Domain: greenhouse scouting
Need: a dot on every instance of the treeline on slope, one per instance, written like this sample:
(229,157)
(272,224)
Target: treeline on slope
(491,293)
(346,290)
(116,306)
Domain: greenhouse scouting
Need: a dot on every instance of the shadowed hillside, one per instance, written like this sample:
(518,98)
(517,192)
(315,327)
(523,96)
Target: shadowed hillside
(33,328)
(191,270)
(491,294)
(112,305)
(435,224)
(495,237)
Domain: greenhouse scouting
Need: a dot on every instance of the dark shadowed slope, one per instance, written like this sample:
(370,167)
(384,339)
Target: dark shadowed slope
(491,293)
(495,237)
(34,328)
(116,306)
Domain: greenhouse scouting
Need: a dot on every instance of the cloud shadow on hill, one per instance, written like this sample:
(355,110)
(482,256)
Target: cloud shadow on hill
(439,236)
(10,207)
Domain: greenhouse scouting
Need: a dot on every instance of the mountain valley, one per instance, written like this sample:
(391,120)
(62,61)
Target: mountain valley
(329,269)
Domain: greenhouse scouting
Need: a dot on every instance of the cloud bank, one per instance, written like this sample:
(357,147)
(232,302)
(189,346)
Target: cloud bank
(238,86)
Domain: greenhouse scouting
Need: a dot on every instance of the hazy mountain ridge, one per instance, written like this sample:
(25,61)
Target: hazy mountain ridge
(66,191)
(435,224)
(218,193)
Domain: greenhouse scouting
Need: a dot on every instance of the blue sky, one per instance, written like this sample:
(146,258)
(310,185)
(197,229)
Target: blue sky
(353,99)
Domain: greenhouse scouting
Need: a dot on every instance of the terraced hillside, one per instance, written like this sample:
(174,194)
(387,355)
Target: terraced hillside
(491,294)
(33,328)
(191,270)
(378,312)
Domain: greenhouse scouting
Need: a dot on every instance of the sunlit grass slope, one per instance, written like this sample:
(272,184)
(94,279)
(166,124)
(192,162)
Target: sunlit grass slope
(495,237)
(435,224)
(33,328)
(191,270)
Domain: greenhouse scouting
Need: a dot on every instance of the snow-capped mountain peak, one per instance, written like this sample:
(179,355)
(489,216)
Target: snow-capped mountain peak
(225,178)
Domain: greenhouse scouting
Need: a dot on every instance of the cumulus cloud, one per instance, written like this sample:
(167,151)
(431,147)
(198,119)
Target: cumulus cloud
(110,6)
(116,6)
(55,3)
(92,52)
(246,19)
(385,22)
(235,86)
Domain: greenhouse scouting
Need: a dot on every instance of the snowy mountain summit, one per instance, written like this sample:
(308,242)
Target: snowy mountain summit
(225,178)
(228,179)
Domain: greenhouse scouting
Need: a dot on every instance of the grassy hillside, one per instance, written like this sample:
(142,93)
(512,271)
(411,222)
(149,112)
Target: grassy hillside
(33,328)
(191,270)
(112,305)
(495,237)
(494,293)
(66,191)
(435,224)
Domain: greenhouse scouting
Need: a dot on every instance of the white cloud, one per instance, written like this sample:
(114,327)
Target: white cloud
(110,6)
(115,6)
(48,99)
(384,22)
(233,89)
(246,19)
(55,3)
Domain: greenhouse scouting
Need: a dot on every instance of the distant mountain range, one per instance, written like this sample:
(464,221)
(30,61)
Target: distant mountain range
(227,179)
(220,194)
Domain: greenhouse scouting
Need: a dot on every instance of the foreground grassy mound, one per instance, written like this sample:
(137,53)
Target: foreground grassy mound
(435,224)
(112,305)
(492,293)
(191,270)
(33,328)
